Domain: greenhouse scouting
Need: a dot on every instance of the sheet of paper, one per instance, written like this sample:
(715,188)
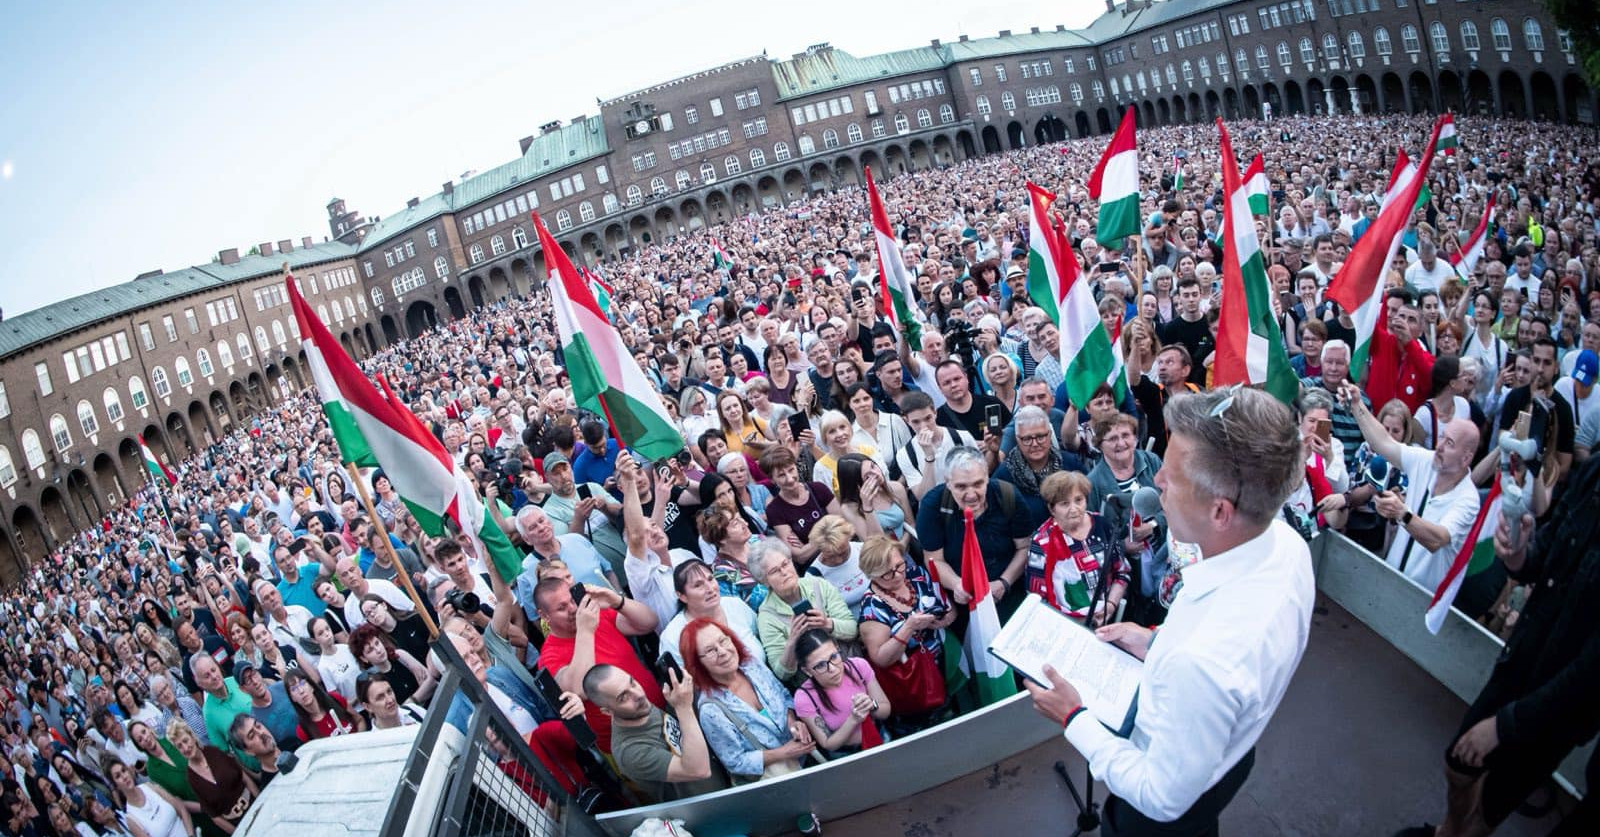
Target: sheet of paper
(1105,676)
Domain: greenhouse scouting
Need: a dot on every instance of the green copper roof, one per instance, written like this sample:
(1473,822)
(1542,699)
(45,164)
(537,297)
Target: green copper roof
(828,68)
(1015,43)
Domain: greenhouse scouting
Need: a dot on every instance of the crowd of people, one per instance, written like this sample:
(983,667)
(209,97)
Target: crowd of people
(781,591)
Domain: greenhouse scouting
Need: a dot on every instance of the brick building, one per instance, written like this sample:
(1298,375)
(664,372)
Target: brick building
(181,356)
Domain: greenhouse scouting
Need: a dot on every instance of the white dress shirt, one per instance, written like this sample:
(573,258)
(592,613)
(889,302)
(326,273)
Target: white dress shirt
(1213,676)
(1455,510)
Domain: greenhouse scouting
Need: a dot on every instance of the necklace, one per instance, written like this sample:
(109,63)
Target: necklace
(907,601)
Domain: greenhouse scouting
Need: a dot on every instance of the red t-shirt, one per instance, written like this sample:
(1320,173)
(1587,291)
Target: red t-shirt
(1399,372)
(610,648)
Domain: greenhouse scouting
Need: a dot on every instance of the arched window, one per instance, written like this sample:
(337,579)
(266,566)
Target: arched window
(658,186)
(635,194)
(758,158)
(732,164)
(519,236)
(1440,37)
(1501,34)
(261,339)
(983,106)
(1116,87)
(475,253)
(563,220)
(1076,90)
(113,402)
(377,297)
(1008,102)
(924,118)
(60,434)
(1330,47)
(180,365)
(243,342)
(1358,46)
(136,394)
(947,113)
(224,354)
(322,314)
(1381,42)
(1222,65)
(1409,39)
(350,307)
(497,245)
(708,173)
(1241,61)
(608,203)
(32,451)
(1308,52)
(1533,34)
(86,419)
(1127,83)
(1284,56)
(853,132)
(1204,66)
(830,138)
(586,211)
(8,471)
(1262,61)
(683,179)
(807,144)
(1469,36)
(1172,76)
(780,151)
(1099,90)
(278,335)
(362,302)
(1188,73)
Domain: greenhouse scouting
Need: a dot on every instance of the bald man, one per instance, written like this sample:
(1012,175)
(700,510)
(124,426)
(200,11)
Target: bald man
(1439,503)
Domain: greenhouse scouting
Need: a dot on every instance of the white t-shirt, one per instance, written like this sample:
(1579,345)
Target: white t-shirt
(1427,419)
(847,578)
(741,620)
(1581,410)
(650,581)
(912,459)
(1454,510)
(1423,279)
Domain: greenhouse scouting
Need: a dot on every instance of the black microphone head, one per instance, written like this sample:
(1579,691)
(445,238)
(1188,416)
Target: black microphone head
(1147,502)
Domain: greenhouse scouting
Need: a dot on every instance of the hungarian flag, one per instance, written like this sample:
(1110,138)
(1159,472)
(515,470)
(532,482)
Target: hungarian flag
(1358,286)
(605,378)
(1250,346)
(991,678)
(1115,184)
(390,437)
(1177,172)
(1467,258)
(1448,142)
(1257,187)
(158,471)
(1475,555)
(1055,283)
(603,292)
(894,279)
(720,260)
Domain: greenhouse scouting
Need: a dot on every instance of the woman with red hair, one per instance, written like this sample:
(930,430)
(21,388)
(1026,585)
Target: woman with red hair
(746,714)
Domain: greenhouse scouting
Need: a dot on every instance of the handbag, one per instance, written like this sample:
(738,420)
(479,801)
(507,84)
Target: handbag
(915,684)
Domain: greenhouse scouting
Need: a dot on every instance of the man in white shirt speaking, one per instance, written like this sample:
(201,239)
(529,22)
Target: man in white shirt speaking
(1215,672)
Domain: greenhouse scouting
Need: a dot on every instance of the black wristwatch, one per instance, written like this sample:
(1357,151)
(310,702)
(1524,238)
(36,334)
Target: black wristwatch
(1405,519)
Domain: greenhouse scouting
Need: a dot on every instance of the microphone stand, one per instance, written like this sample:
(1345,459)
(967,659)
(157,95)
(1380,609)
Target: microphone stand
(1088,810)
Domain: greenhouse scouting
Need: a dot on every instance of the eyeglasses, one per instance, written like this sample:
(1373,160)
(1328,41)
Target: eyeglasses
(828,663)
(896,570)
(1220,411)
(1034,439)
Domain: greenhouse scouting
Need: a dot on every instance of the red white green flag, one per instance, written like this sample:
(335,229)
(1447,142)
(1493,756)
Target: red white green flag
(1115,184)
(1475,555)
(720,260)
(1056,284)
(1257,187)
(158,471)
(1177,172)
(991,678)
(1250,346)
(1448,141)
(605,378)
(894,279)
(1467,258)
(432,486)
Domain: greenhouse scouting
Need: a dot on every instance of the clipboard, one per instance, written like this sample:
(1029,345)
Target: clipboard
(1106,677)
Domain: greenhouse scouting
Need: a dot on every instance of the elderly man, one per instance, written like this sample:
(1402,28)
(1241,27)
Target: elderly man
(1398,365)
(356,585)
(585,564)
(1236,632)
(223,698)
(1000,519)
(1428,272)
(288,623)
(1335,360)
(1440,502)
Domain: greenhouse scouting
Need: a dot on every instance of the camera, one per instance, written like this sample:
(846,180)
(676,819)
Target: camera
(465,602)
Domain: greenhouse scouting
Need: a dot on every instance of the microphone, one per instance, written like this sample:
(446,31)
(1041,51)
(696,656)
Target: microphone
(1146,505)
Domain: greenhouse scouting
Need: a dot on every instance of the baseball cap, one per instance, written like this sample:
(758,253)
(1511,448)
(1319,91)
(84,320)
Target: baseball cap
(242,666)
(1586,367)
(553,459)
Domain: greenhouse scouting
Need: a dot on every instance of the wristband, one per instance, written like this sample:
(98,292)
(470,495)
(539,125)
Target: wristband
(1071,715)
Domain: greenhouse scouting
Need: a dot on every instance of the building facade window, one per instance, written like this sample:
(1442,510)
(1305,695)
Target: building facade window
(225,354)
(1409,39)
(758,158)
(87,420)
(204,359)
(243,342)
(781,151)
(113,403)
(497,245)
(41,376)
(475,253)
(807,144)
(1501,34)
(60,434)
(32,451)
(1469,36)
(586,211)
(8,470)
(947,114)
(830,138)
(1440,37)
(732,164)
(1533,35)
(635,195)
(563,220)
(519,238)
(136,394)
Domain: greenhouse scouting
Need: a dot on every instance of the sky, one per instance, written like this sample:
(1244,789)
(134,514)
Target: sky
(144,136)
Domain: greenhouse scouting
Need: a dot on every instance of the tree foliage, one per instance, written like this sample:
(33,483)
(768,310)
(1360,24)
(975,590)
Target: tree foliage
(1581,18)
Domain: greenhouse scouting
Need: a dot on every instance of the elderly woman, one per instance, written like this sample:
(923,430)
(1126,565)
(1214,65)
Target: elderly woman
(700,597)
(1034,458)
(1000,522)
(729,534)
(838,439)
(1076,562)
(838,559)
(752,496)
(795,606)
(903,617)
(694,405)
(746,714)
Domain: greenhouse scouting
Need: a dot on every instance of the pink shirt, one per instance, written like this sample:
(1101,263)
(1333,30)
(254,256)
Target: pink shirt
(806,704)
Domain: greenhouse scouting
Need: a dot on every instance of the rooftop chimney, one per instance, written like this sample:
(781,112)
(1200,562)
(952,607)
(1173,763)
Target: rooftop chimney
(1111,6)
(935,43)
(228,256)
(963,39)
(412,204)
(525,143)
(1060,27)
(1034,29)
(286,246)
(1005,33)
(305,242)
(264,248)
(448,187)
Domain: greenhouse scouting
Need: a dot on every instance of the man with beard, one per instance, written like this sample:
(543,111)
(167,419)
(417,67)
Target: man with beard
(666,755)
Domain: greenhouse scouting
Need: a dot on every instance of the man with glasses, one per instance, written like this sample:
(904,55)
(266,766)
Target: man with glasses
(1235,634)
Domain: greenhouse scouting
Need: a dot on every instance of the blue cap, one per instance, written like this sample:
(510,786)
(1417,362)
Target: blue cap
(1585,369)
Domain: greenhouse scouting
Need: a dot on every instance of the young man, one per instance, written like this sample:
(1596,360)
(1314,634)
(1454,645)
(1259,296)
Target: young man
(963,409)
(665,755)
(1189,329)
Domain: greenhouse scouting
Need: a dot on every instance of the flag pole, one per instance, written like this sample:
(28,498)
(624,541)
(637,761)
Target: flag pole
(400,569)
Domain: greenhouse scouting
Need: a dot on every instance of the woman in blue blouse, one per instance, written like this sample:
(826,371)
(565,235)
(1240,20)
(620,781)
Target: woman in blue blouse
(746,714)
